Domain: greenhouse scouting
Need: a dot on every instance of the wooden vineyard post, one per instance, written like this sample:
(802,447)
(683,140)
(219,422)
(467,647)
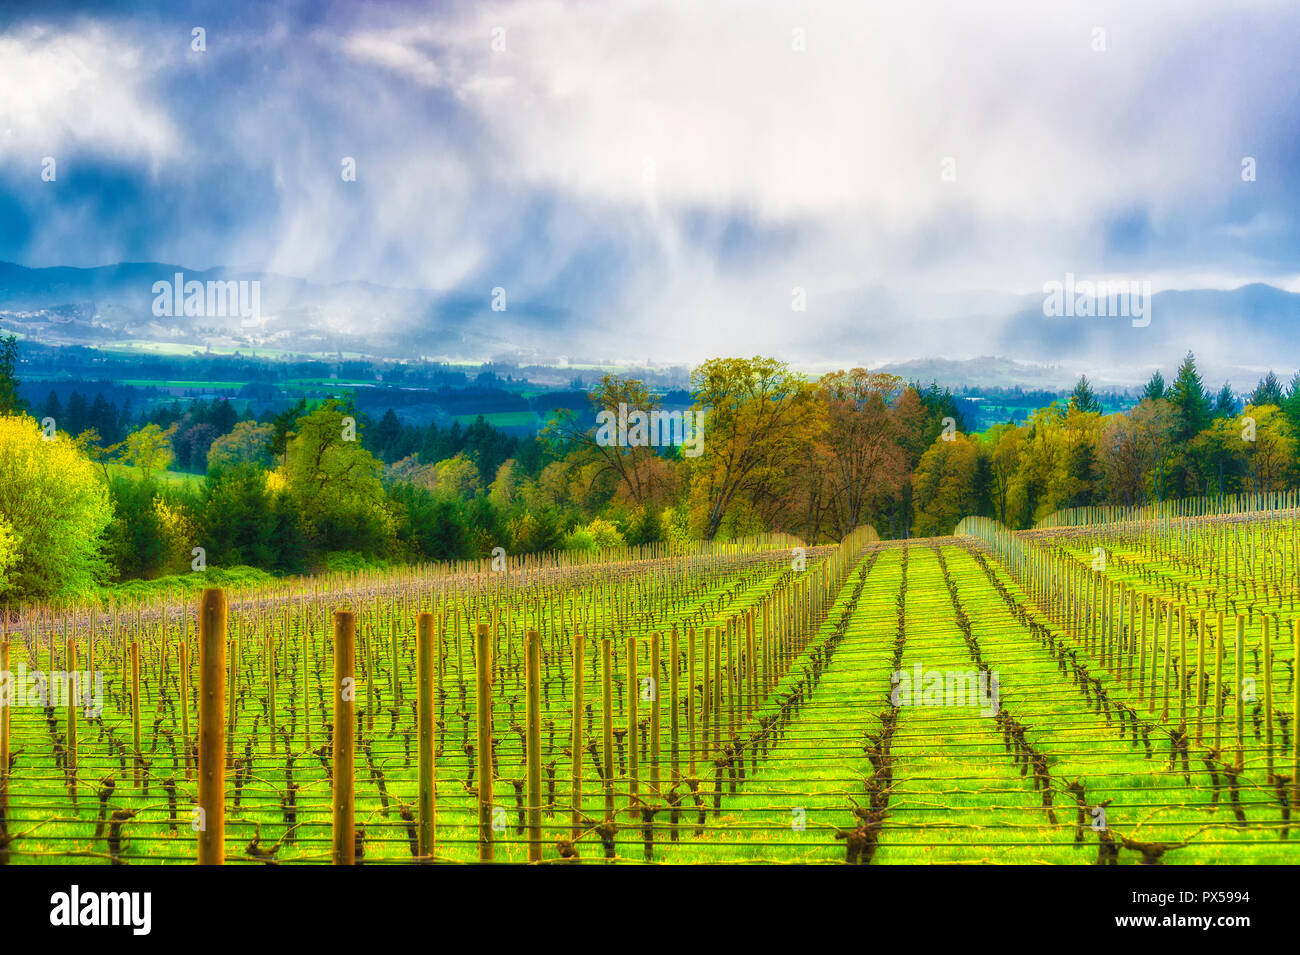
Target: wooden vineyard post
(1125,668)
(74,699)
(1083,607)
(1113,613)
(1105,599)
(1142,654)
(783,625)
(460,649)
(707,708)
(1295,720)
(769,648)
(533,749)
(633,718)
(345,732)
(368,664)
(607,724)
(1125,632)
(1071,602)
(483,709)
(212,728)
(1219,644)
(1093,605)
(395,683)
(427,796)
(690,702)
(1239,711)
(185,706)
(576,743)
(305,682)
(674,700)
(1117,651)
(1057,585)
(1268,701)
(162,649)
(717,687)
(270,678)
(439,653)
(1200,672)
(1182,668)
(1128,636)
(748,671)
(232,703)
(736,661)
(1168,645)
(137,754)
(733,674)
(1159,633)
(655,639)
(90,654)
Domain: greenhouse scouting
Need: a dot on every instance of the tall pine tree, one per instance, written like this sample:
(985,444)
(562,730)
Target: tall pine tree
(10,403)
(1268,391)
(1155,387)
(1083,398)
(1225,405)
(1188,396)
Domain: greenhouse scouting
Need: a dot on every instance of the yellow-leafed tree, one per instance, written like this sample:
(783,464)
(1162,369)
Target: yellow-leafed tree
(56,508)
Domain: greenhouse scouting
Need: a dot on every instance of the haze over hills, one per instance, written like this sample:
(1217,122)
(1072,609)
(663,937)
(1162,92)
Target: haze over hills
(115,305)
(985,339)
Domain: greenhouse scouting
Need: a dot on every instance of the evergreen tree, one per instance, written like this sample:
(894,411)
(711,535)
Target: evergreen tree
(1083,397)
(76,415)
(386,436)
(235,519)
(1225,405)
(1268,391)
(1084,472)
(102,418)
(1188,395)
(285,422)
(52,407)
(222,416)
(1291,403)
(10,403)
(120,423)
(1155,388)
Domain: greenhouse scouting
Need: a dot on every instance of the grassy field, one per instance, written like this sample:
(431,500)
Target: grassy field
(183,384)
(503,419)
(178,478)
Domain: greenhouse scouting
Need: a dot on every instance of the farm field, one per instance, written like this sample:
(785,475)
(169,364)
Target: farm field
(1117,690)
(163,475)
(502,419)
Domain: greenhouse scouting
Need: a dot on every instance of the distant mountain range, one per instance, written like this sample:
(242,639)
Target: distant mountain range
(115,304)
(1236,334)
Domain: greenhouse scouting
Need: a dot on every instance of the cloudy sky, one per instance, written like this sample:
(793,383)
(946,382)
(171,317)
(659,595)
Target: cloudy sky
(680,166)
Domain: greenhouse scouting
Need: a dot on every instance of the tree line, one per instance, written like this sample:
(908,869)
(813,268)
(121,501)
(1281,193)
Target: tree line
(321,486)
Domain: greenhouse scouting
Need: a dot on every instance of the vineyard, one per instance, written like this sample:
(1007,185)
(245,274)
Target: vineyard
(1110,688)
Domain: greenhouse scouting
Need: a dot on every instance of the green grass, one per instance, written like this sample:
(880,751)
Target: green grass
(958,791)
(502,419)
(183,383)
(190,584)
(174,478)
